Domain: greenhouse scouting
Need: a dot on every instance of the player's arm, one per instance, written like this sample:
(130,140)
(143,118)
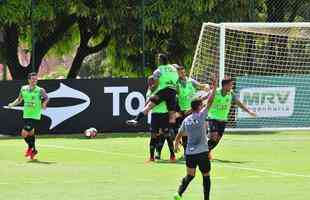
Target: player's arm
(178,137)
(177,141)
(156,75)
(45,98)
(212,93)
(17,101)
(244,108)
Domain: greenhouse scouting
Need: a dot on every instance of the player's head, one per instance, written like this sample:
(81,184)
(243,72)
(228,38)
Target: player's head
(196,104)
(162,59)
(227,84)
(181,71)
(32,78)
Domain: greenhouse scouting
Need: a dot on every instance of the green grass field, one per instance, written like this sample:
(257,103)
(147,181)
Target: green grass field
(111,167)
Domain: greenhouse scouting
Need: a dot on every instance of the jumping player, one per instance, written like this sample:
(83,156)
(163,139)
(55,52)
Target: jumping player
(165,77)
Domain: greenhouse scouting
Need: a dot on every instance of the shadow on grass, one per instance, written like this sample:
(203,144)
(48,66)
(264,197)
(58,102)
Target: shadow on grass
(36,161)
(82,137)
(170,162)
(228,161)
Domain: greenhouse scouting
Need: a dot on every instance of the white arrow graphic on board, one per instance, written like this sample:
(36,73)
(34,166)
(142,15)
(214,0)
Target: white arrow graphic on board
(61,114)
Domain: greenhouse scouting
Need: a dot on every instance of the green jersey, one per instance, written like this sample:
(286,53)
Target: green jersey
(168,77)
(186,92)
(160,108)
(220,107)
(32,102)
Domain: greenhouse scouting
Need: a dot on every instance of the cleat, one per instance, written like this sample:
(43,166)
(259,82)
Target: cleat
(132,122)
(28,152)
(33,154)
(173,159)
(151,159)
(210,156)
(176,196)
(157,157)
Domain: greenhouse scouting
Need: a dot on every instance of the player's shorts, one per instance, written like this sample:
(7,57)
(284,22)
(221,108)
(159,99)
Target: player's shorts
(30,124)
(216,126)
(168,95)
(201,160)
(159,121)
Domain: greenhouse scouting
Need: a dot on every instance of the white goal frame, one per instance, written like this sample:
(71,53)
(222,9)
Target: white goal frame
(222,27)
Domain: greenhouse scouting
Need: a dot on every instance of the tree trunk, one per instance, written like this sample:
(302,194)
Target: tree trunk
(11,52)
(77,63)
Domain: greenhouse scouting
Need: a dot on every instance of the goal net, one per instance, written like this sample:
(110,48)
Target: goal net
(270,66)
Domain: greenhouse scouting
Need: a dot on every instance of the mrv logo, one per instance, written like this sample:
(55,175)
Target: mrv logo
(268,102)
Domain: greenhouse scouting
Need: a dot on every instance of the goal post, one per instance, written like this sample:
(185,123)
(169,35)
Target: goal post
(270,66)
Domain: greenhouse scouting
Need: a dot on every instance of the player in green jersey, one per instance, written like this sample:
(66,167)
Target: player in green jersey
(159,127)
(220,102)
(165,77)
(35,99)
(186,90)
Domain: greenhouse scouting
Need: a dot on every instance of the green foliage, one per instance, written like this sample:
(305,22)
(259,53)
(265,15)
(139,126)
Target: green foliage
(169,26)
(59,72)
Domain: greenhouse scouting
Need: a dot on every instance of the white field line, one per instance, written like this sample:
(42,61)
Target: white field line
(219,165)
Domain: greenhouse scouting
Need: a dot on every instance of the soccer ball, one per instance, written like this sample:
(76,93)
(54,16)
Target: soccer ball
(90,133)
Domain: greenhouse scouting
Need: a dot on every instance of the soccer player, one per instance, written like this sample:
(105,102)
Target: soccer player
(193,126)
(159,127)
(186,88)
(165,77)
(220,101)
(35,99)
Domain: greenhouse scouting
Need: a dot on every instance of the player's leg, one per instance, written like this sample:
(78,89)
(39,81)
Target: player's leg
(154,100)
(161,142)
(170,140)
(154,139)
(217,129)
(28,135)
(191,164)
(152,146)
(205,167)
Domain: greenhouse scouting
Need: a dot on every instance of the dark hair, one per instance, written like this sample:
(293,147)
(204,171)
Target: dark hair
(178,67)
(31,75)
(162,59)
(226,81)
(196,103)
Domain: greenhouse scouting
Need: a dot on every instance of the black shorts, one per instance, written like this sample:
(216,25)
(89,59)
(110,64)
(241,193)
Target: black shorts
(201,160)
(216,126)
(30,124)
(159,121)
(168,95)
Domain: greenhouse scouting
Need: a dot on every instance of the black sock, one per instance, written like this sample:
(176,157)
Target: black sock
(170,145)
(27,140)
(139,116)
(161,142)
(206,187)
(185,182)
(212,144)
(152,147)
(159,146)
(32,141)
